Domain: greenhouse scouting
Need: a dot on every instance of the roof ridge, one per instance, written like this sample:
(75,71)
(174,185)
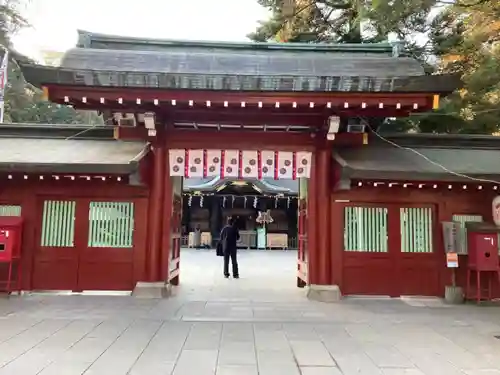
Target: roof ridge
(86,38)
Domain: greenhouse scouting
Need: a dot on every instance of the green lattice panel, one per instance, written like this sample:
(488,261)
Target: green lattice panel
(365,229)
(10,210)
(58,224)
(416,230)
(111,224)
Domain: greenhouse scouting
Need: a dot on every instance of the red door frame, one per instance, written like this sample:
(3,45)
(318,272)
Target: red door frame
(81,255)
(237,140)
(56,268)
(302,268)
(395,262)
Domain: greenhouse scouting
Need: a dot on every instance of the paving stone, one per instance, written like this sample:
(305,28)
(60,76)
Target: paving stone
(11,349)
(402,371)
(278,369)
(357,363)
(196,362)
(238,353)
(311,353)
(261,324)
(320,371)
(386,356)
(237,370)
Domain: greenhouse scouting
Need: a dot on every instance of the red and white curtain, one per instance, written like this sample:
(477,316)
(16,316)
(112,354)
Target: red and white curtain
(240,164)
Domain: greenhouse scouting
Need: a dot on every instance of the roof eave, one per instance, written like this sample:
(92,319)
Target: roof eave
(39,75)
(70,168)
(409,176)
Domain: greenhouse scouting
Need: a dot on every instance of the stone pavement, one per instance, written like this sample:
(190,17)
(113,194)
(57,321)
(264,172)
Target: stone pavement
(260,324)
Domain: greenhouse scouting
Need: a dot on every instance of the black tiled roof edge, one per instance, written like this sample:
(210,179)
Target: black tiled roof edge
(422,157)
(63,131)
(40,75)
(474,141)
(88,39)
(79,168)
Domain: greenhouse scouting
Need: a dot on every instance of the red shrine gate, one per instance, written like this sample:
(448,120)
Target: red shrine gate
(241,98)
(237,164)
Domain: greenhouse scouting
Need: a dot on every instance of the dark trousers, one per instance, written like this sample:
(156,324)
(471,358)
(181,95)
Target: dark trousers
(234,262)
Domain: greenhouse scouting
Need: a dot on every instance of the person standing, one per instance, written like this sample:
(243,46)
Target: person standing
(197,237)
(230,235)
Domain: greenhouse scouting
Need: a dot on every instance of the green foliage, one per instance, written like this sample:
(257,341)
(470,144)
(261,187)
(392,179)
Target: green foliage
(456,36)
(23,102)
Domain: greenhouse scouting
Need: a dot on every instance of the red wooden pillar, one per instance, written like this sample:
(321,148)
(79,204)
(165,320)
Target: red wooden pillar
(336,232)
(32,217)
(323,213)
(156,199)
(312,219)
(167,210)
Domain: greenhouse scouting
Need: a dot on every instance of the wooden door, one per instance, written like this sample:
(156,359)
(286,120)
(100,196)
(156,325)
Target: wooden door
(302,264)
(367,260)
(58,243)
(84,244)
(106,262)
(389,250)
(175,232)
(416,258)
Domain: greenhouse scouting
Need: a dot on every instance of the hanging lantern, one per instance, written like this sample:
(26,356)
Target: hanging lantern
(190,201)
(288,202)
(255,201)
(276,202)
(201,201)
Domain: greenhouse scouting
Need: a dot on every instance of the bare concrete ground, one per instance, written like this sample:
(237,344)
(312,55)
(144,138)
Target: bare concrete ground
(259,324)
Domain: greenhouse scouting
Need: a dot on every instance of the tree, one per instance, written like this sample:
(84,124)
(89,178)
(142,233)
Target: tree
(466,37)
(315,21)
(24,102)
(448,36)
(346,21)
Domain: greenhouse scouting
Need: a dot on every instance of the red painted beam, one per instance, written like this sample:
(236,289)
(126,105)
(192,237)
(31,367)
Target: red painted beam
(249,116)
(200,97)
(179,138)
(236,117)
(248,140)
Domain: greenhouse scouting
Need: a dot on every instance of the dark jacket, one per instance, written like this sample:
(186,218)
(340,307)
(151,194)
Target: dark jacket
(230,235)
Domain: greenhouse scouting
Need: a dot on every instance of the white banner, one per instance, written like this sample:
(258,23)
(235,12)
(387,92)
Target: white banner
(267,164)
(213,163)
(249,165)
(303,166)
(195,163)
(177,162)
(285,165)
(231,163)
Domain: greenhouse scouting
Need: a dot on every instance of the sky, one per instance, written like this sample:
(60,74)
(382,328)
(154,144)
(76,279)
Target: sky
(55,22)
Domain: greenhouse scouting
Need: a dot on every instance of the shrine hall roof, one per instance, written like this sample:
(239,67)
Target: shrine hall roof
(23,153)
(266,185)
(110,61)
(475,156)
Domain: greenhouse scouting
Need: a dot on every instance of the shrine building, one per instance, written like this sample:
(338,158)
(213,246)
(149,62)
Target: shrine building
(198,131)
(208,202)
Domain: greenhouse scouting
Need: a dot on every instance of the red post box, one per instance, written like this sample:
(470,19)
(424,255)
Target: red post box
(10,238)
(10,249)
(483,251)
(482,244)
